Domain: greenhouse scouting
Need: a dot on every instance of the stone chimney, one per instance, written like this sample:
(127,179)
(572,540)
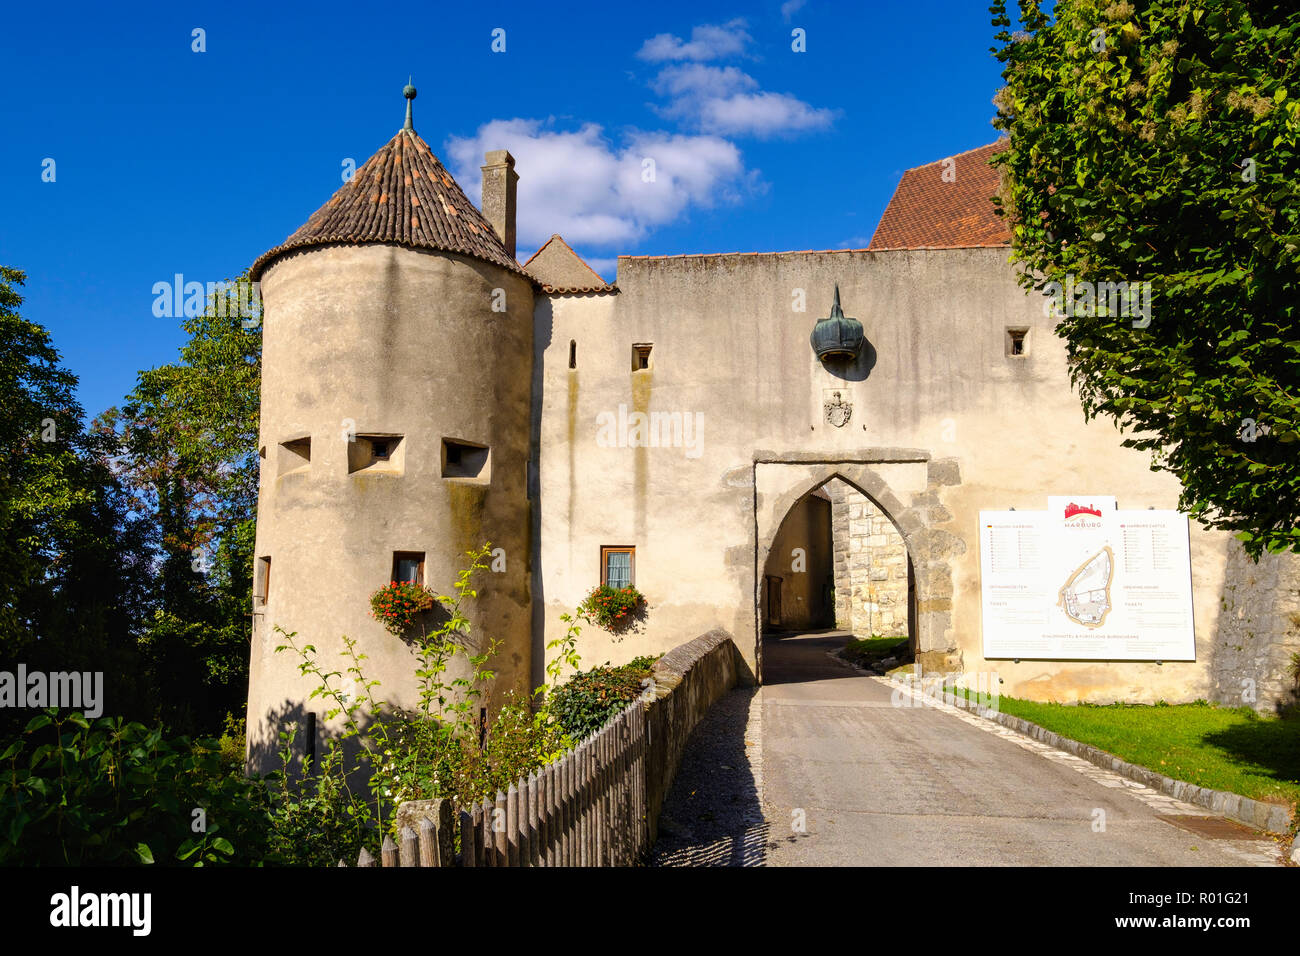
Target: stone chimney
(499,179)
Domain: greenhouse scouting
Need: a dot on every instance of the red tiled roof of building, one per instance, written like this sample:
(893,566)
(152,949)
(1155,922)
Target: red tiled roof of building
(404,196)
(931,210)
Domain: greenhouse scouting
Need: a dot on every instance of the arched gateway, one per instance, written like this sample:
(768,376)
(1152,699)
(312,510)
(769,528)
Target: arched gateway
(779,486)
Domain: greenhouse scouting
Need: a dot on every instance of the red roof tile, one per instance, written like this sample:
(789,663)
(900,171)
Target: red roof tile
(404,196)
(933,211)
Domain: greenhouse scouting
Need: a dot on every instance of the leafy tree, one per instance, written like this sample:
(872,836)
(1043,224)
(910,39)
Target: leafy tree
(1157,142)
(187,442)
(40,437)
(73,561)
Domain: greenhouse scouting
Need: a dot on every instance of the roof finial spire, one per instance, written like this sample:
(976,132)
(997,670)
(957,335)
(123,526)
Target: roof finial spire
(409,92)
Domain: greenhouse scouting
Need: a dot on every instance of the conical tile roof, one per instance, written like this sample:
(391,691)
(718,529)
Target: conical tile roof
(404,196)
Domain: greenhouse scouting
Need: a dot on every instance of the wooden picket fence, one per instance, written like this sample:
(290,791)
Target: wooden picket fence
(588,808)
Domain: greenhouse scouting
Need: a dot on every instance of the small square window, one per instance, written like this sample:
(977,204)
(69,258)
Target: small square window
(1017,341)
(618,566)
(641,356)
(294,456)
(408,567)
(462,459)
(381,454)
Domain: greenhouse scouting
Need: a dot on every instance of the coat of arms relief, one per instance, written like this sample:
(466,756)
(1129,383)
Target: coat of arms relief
(838,408)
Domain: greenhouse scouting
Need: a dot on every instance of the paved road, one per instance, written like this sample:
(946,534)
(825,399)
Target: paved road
(880,785)
(902,786)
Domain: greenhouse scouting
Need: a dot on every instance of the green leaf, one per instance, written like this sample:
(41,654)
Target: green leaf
(37,722)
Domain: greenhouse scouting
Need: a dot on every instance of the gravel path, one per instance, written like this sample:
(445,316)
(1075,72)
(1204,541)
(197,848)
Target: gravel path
(713,814)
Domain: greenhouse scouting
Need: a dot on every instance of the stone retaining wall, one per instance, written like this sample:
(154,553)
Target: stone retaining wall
(688,680)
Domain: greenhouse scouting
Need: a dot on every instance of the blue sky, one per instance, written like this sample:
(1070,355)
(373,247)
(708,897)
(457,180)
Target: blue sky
(168,160)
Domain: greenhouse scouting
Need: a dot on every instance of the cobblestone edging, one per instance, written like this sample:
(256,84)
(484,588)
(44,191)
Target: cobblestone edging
(1255,813)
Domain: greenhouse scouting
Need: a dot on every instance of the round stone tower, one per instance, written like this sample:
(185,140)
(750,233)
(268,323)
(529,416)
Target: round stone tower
(395,430)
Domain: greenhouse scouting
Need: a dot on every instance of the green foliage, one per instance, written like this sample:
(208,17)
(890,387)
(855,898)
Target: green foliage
(1224,748)
(384,756)
(611,608)
(426,759)
(76,793)
(585,702)
(566,652)
(1161,142)
(232,745)
(317,818)
(398,605)
(73,558)
(867,651)
(185,448)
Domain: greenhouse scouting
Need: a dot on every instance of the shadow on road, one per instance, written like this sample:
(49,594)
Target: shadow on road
(712,816)
(787,658)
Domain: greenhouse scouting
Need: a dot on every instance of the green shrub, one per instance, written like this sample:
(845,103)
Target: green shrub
(73,793)
(233,743)
(431,750)
(588,699)
(317,818)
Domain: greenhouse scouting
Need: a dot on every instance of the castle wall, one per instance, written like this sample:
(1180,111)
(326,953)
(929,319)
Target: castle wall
(870,566)
(376,339)
(1258,632)
(944,423)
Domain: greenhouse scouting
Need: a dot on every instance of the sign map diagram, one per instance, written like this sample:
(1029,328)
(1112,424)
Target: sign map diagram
(1086,594)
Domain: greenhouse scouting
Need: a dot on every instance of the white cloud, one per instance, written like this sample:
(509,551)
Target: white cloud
(695,79)
(594,191)
(725,101)
(591,191)
(606,266)
(790,8)
(708,42)
(762,115)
